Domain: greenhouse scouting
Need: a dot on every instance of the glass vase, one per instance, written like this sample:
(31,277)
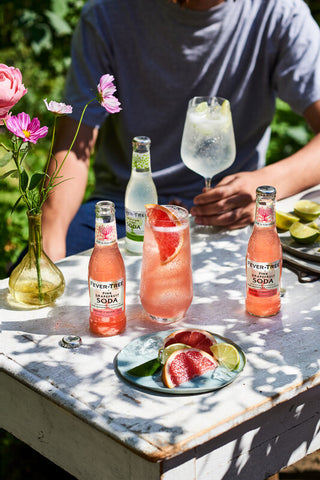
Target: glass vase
(36,281)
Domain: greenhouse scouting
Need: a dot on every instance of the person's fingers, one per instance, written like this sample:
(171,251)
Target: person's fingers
(231,219)
(223,205)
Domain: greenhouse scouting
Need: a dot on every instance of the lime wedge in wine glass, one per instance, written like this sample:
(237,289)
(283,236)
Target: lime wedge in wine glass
(202,107)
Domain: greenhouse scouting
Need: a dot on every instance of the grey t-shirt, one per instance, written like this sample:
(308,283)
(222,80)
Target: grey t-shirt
(161,55)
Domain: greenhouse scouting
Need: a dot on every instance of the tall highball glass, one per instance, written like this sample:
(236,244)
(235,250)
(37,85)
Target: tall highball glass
(166,288)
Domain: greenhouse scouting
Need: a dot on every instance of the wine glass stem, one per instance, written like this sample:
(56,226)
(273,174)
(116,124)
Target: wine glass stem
(207,183)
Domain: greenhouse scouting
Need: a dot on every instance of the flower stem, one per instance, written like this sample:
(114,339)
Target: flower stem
(35,243)
(15,156)
(55,175)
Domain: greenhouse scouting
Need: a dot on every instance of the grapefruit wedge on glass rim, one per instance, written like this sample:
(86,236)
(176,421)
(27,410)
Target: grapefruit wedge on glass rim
(183,365)
(195,338)
(169,242)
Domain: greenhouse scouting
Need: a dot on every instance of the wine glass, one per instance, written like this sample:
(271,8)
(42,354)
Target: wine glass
(208,144)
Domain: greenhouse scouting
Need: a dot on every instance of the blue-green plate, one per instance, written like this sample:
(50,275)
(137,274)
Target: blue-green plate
(146,348)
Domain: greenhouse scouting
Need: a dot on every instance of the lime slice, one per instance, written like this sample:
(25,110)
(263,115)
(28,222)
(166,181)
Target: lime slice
(164,353)
(285,220)
(302,233)
(307,210)
(202,107)
(226,354)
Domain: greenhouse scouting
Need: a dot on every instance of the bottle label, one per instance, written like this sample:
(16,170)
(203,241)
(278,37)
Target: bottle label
(263,278)
(141,161)
(105,233)
(265,215)
(106,298)
(135,225)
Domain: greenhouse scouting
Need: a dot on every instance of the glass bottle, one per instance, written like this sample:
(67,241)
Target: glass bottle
(106,275)
(264,258)
(140,191)
(36,280)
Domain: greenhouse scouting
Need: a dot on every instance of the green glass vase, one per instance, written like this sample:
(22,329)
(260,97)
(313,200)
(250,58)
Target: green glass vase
(36,281)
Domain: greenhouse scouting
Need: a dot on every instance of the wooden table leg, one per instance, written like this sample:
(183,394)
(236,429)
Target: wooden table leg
(274,477)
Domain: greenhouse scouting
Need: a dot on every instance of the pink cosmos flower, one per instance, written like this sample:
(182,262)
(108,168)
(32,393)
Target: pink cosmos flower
(11,89)
(105,95)
(29,130)
(58,108)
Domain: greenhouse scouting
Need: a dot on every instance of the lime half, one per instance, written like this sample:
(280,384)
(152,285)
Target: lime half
(302,233)
(226,354)
(307,210)
(285,220)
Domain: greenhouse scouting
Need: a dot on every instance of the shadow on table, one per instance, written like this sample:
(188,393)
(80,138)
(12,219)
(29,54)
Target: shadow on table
(262,441)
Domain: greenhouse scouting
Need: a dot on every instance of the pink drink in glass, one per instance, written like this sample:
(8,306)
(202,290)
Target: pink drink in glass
(166,289)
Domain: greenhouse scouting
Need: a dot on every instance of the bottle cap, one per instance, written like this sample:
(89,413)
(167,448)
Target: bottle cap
(266,190)
(70,341)
(140,141)
(105,207)
(141,153)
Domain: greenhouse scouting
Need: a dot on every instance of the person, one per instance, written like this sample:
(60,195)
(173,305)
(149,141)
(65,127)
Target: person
(162,54)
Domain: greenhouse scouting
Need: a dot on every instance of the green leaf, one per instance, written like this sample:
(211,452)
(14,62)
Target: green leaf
(35,180)
(58,24)
(42,38)
(16,204)
(7,174)
(146,369)
(5,159)
(24,180)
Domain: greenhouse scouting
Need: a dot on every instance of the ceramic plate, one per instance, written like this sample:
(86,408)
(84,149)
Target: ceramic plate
(307,252)
(146,348)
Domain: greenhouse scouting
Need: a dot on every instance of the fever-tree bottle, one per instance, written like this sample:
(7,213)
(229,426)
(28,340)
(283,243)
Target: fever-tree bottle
(106,276)
(140,191)
(264,258)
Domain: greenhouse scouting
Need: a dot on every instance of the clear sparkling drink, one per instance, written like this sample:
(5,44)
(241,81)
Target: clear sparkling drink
(106,276)
(166,289)
(264,258)
(140,191)
(208,145)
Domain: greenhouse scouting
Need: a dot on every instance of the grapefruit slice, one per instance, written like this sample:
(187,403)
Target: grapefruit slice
(183,365)
(169,242)
(200,339)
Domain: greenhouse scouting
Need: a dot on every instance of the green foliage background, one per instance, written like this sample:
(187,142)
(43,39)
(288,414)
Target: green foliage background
(35,37)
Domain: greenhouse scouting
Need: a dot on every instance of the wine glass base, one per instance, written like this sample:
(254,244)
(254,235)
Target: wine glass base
(165,321)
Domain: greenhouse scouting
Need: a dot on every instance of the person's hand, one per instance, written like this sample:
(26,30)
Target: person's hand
(230,204)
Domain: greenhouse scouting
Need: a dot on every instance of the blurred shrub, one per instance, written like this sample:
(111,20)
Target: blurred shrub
(35,37)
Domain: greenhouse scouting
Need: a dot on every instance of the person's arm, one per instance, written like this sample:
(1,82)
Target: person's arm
(231,203)
(66,198)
